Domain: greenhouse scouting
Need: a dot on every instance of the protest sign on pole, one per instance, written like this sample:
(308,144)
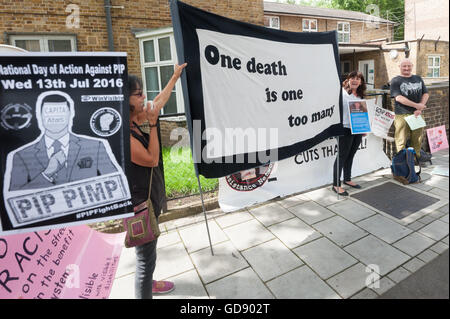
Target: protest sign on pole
(65,147)
(381,122)
(254,95)
(67,263)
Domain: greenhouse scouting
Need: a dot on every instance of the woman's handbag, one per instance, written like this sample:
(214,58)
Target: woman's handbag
(143,227)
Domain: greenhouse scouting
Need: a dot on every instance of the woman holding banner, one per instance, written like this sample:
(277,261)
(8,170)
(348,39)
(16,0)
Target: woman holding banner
(145,155)
(353,89)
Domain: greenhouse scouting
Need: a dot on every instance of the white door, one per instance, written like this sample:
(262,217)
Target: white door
(367,67)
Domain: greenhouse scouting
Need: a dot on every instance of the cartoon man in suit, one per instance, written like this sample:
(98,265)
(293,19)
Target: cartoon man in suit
(58,156)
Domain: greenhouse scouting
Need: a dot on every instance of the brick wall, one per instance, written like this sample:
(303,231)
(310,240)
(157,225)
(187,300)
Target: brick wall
(49,17)
(360,32)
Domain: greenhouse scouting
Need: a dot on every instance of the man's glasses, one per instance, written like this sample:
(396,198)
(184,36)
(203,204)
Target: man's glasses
(140,93)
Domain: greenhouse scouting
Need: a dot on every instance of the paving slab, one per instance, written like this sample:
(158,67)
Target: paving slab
(292,201)
(301,283)
(226,260)
(294,232)
(437,230)
(123,288)
(244,284)
(311,212)
(413,265)
(340,231)
(440,192)
(427,256)
(271,259)
(324,196)
(270,214)
(350,281)
(414,244)
(231,219)
(248,234)
(324,257)
(351,210)
(196,237)
(168,239)
(373,251)
(172,260)
(382,285)
(439,247)
(415,225)
(399,274)
(187,286)
(365,294)
(384,228)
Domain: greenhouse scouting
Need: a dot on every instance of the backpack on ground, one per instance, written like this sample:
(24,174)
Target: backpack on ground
(403,167)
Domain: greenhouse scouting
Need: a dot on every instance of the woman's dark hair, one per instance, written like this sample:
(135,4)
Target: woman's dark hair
(134,83)
(361,90)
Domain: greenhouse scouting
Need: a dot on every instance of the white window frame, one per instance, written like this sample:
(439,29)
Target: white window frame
(155,35)
(343,32)
(309,25)
(434,66)
(43,40)
(270,22)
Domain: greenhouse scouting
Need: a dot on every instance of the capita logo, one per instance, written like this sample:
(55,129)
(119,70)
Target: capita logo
(251,179)
(16,116)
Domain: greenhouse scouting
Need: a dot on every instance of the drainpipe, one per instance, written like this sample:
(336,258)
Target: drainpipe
(109,25)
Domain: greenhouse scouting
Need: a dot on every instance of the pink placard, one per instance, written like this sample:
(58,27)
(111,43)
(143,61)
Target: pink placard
(66,263)
(437,138)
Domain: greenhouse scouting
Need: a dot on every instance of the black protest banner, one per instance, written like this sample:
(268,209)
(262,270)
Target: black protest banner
(254,95)
(65,147)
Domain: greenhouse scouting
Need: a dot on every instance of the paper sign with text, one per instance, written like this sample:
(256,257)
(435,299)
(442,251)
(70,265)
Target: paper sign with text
(64,149)
(66,263)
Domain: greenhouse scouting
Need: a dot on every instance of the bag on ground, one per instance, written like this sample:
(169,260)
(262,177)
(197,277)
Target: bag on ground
(403,167)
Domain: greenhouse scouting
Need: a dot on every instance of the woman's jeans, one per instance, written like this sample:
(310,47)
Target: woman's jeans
(348,145)
(145,266)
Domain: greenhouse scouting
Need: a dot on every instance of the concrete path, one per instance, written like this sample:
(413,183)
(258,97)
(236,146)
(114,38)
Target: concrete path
(310,245)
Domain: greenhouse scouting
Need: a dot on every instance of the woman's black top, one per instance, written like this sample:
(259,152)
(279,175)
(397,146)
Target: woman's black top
(139,179)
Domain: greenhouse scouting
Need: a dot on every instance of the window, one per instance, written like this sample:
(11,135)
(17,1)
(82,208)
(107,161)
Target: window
(343,29)
(309,25)
(272,22)
(434,66)
(158,58)
(44,43)
(345,67)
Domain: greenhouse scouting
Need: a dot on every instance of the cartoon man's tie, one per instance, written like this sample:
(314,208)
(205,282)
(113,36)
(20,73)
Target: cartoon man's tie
(62,173)
(56,147)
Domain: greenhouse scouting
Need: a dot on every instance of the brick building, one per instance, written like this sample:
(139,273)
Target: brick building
(142,28)
(366,42)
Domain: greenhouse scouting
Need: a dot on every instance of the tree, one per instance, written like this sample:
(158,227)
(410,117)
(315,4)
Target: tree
(393,10)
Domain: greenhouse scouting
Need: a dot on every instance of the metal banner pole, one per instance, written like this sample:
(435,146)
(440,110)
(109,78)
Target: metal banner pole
(338,171)
(204,212)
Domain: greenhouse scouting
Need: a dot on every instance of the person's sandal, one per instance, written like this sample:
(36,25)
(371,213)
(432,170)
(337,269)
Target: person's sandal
(344,193)
(354,186)
(162,287)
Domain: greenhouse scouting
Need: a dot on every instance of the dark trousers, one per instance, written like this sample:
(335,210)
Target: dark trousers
(348,145)
(145,266)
